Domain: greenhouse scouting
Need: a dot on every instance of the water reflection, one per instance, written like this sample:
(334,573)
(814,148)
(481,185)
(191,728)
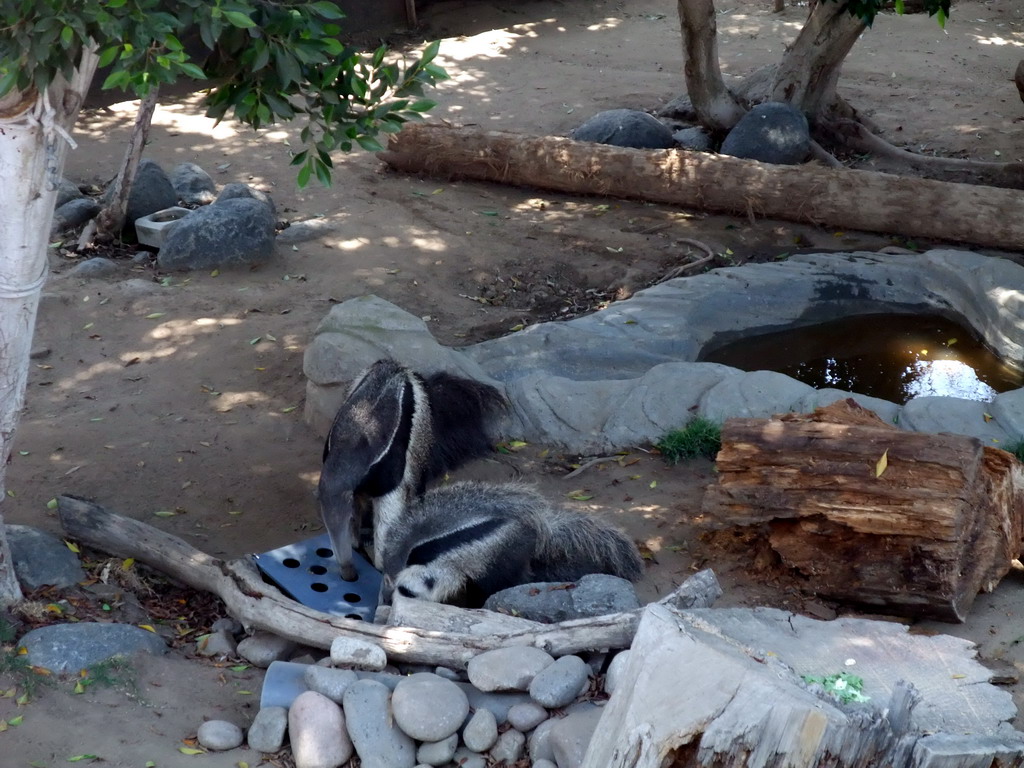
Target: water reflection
(895,357)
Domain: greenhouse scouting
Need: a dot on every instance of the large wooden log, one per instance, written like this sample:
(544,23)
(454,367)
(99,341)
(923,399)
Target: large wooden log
(865,200)
(941,522)
(257,604)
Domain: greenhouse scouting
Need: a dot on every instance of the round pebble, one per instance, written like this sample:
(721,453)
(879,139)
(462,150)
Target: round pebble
(542,763)
(613,677)
(507,669)
(509,747)
(266,734)
(332,683)
(351,652)
(527,716)
(428,707)
(316,730)
(559,684)
(465,758)
(379,742)
(219,735)
(481,731)
(438,752)
(540,741)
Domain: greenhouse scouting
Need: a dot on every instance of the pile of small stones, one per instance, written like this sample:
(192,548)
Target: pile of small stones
(510,705)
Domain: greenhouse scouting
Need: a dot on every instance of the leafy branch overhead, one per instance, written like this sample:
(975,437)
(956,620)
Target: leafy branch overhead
(866,10)
(266,61)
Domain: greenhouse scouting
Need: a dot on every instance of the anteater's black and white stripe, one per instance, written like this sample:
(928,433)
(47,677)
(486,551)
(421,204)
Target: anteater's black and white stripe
(394,433)
(466,541)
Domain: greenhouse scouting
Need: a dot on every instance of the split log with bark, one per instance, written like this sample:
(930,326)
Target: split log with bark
(259,605)
(833,197)
(905,522)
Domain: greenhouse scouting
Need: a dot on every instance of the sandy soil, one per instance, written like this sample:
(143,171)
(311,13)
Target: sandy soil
(189,412)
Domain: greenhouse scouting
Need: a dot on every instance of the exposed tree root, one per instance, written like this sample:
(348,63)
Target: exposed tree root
(692,266)
(821,154)
(854,134)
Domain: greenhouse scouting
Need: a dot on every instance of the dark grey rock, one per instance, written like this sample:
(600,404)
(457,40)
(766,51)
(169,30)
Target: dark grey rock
(694,138)
(68,648)
(236,190)
(438,752)
(498,704)
(481,731)
(378,741)
(228,233)
(219,735)
(41,558)
(67,191)
(95,268)
(509,747)
(227,624)
(261,649)
(428,707)
(74,213)
(193,185)
(559,684)
(625,128)
(316,730)
(266,734)
(525,717)
(680,108)
(593,595)
(332,683)
(449,674)
(507,669)
(151,191)
(772,132)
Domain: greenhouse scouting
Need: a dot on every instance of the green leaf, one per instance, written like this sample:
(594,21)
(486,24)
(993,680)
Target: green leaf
(192,70)
(304,174)
(327,10)
(369,143)
(423,105)
(898,6)
(238,19)
(108,55)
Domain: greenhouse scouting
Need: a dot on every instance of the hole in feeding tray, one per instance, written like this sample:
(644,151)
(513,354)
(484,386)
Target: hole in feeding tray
(324,552)
(352,597)
(355,616)
(171,214)
(318,586)
(318,570)
(290,562)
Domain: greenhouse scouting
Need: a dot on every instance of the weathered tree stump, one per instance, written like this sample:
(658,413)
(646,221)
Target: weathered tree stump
(724,687)
(906,522)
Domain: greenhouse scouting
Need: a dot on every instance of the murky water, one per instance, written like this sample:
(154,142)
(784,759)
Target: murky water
(892,356)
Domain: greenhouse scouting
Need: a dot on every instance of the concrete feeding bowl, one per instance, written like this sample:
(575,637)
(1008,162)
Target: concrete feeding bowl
(153,229)
(308,573)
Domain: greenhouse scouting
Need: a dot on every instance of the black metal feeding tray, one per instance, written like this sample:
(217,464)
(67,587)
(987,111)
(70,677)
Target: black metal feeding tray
(308,573)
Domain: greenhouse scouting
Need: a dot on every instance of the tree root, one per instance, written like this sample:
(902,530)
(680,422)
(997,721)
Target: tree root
(853,133)
(684,269)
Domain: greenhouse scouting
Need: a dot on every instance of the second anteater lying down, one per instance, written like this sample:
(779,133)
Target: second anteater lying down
(464,542)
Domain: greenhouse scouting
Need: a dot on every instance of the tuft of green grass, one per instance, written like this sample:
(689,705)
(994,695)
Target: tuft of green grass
(698,438)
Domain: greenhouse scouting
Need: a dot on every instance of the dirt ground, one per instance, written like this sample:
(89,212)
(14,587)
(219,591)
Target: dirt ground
(199,410)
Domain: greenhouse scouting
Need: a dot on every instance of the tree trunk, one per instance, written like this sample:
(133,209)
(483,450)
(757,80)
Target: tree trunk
(827,197)
(919,534)
(111,220)
(34,136)
(715,106)
(809,71)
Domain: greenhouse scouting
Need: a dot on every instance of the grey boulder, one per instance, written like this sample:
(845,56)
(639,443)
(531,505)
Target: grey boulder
(234,232)
(68,648)
(625,128)
(42,559)
(95,268)
(152,191)
(238,191)
(593,595)
(771,132)
(74,213)
(193,185)
(694,138)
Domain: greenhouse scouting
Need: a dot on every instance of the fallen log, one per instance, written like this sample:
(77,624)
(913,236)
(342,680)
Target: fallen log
(904,522)
(865,200)
(259,605)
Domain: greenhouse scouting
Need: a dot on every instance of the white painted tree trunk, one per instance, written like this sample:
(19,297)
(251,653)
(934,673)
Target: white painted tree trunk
(34,133)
